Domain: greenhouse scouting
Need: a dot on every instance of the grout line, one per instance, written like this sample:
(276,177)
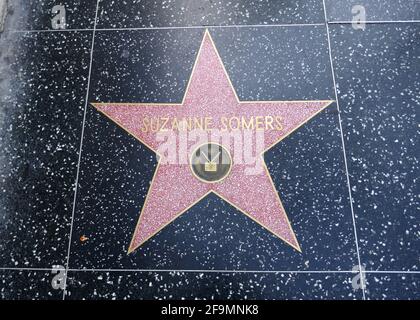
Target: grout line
(175,27)
(80,151)
(216,26)
(24,269)
(49,30)
(344,153)
(209,271)
(217,271)
(374,21)
(392,271)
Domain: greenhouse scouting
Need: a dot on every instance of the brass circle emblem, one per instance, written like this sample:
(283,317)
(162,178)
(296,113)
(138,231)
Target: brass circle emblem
(211,162)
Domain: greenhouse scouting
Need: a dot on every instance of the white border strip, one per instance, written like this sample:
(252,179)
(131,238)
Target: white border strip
(344,153)
(80,151)
(374,21)
(177,27)
(218,271)
(217,26)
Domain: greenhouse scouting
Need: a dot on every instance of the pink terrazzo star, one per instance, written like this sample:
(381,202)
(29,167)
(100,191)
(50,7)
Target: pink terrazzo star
(174,188)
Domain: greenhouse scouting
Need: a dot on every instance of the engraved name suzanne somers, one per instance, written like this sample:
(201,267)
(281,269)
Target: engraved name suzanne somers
(258,123)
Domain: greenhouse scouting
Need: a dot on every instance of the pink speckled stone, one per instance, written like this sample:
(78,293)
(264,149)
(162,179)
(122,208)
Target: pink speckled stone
(174,188)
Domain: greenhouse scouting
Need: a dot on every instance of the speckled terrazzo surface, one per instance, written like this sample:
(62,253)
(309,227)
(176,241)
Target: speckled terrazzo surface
(144,52)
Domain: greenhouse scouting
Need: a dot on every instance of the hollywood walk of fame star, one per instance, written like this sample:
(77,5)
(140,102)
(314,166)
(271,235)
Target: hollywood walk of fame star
(177,187)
